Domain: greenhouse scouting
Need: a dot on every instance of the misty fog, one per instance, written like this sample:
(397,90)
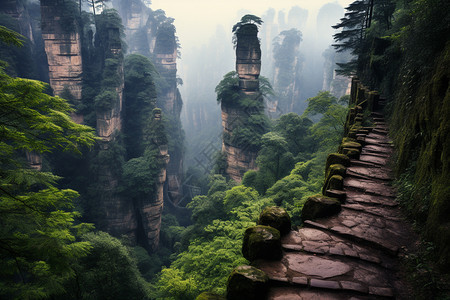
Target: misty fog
(207,54)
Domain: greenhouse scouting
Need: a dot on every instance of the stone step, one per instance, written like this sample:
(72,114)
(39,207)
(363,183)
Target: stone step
(324,273)
(374,159)
(293,293)
(369,173)
(358,237)
(359,197)
(322,242)
(375,231)
(389,212)
(369,187)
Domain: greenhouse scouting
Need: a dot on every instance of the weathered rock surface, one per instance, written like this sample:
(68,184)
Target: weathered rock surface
(63,49)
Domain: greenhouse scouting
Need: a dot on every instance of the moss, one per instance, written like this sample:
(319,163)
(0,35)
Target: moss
(247,283)
(209,296)
(276,217)
(336,169)
(351,153)
(422,138)
(261,242)
(335,182)
(336,158)
(350,144)
(320,206)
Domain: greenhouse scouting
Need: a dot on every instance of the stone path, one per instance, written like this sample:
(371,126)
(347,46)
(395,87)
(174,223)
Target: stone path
(352,255)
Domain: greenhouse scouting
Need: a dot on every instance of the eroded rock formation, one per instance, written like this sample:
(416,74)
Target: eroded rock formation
(150,211)
(152,34)
(248,66)
(63,48)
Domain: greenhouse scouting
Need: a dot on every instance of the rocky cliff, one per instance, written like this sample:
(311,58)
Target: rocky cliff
(152,34)
(241,158)
(62,42)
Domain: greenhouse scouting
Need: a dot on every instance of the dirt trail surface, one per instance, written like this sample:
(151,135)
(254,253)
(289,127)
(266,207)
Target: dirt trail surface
(354,254)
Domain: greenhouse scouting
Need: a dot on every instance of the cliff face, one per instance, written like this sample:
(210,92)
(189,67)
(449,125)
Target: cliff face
(248,66)
(152,34)
(63,48)
(150,212)
(109,121)
(169,99)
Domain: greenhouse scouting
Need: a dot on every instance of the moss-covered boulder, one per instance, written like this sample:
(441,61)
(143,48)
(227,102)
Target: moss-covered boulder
(350,144)
(320,206)
(209,296)
(336,169)
(247,283)
(352,153)
(261,242)
(335,182)
(276,217)
(337,158)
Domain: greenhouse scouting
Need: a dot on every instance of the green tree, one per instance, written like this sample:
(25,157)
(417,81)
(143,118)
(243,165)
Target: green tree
(296,131)
(108,272)
(329,130)
(140,99)
(37,228)
(245,20)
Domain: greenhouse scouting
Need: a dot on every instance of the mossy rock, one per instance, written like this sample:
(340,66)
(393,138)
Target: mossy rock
(335,169)
(275,217)
(247,283)
(351,144)
(320,206)
(352,133)
(347,139)
(336,158)
(351,153)
(209,296)
(335,182)
(261,242)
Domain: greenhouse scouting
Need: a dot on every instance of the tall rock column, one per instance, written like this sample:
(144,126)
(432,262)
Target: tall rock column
(150,212)
(241,158)
(62,41)
(169,99)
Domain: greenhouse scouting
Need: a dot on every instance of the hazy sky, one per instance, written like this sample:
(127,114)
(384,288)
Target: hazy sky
(197,20)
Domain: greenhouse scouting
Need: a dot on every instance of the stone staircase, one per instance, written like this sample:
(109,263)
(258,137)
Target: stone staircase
(349,245)
(351,255)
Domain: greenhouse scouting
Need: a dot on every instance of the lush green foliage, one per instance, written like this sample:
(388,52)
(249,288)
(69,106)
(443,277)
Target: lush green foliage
(246,20)
(210,248)
(215,241)
(109,272)
(38,232)
(251,123)
(140,100)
